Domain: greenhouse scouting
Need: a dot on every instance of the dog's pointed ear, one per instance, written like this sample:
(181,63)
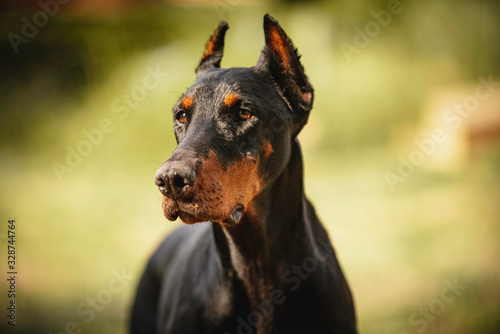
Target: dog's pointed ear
(281,59)
(213,50)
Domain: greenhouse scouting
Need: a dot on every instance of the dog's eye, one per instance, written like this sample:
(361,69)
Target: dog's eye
(244,114)
(181,117)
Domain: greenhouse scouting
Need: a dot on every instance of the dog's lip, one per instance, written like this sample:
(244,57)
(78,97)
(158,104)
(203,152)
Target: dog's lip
(192,212)
(189,213)
(189,218)
(184,210)
(172,212)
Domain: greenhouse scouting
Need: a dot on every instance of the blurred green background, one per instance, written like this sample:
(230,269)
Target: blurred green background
(408,220)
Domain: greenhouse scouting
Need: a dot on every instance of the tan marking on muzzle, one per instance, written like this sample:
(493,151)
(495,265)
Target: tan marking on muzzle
(219,191)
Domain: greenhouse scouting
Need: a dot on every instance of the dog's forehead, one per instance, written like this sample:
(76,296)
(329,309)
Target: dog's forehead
(221,82)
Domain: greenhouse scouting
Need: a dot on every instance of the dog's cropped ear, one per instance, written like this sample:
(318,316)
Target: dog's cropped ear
(213,50)
(281,59)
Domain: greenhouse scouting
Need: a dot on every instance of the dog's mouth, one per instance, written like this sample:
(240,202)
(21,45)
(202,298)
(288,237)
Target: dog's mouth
(192,212)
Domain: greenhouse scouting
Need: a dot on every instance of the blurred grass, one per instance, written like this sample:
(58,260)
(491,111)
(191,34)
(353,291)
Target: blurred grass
(397,248)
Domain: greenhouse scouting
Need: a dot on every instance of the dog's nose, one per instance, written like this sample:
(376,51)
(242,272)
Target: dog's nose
(176,180)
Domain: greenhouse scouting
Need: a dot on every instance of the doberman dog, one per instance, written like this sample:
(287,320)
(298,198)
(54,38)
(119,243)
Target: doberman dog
(262,262)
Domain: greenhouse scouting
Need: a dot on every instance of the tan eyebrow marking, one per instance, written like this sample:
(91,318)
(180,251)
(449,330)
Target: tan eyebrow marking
(187,102)
(231,99)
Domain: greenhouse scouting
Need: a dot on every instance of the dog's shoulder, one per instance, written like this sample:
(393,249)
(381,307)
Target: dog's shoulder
(180,243)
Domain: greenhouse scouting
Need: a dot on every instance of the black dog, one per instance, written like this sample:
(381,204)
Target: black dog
(263,263)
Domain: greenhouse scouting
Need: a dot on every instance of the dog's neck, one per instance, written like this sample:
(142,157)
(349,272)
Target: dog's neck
(272,236)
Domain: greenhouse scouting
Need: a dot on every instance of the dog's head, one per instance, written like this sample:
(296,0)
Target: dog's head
(234,129)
